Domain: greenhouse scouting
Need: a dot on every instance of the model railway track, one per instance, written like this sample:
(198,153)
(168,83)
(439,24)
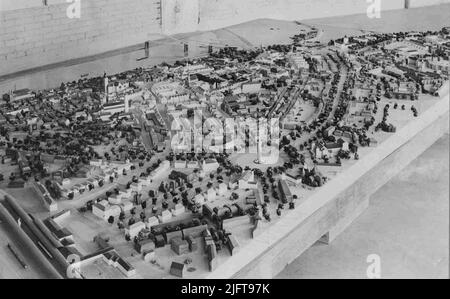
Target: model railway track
(295,98)
(275,105)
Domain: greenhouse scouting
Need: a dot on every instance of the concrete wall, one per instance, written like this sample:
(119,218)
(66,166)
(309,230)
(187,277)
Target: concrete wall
(419,3)
(33,34)
(215,14)
(180,16)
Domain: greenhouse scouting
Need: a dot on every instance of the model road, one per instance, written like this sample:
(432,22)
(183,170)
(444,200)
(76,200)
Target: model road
(336,99)
(27,245)
(274,106)
(145,136)
(295,97)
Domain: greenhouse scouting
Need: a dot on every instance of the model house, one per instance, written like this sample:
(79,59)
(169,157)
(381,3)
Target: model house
(223,189)
(211,194)
(165,216)
(135,229)
(152,221)
(247,181)
(199,199)
(178,269)
(210,165)
(293,177)
(179,246)
(104,210)
(178,210)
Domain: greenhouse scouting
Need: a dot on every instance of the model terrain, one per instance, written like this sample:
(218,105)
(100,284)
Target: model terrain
(166,171)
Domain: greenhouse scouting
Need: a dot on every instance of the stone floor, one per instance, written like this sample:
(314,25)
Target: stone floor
(407,226)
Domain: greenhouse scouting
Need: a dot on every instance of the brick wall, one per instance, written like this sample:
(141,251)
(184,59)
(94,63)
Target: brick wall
(38,34)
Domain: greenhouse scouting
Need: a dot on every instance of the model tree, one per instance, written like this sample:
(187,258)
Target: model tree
(6,97)
(122,216)
(120,225)
(165,205)
(142,216)
(234,196)
(162,188)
